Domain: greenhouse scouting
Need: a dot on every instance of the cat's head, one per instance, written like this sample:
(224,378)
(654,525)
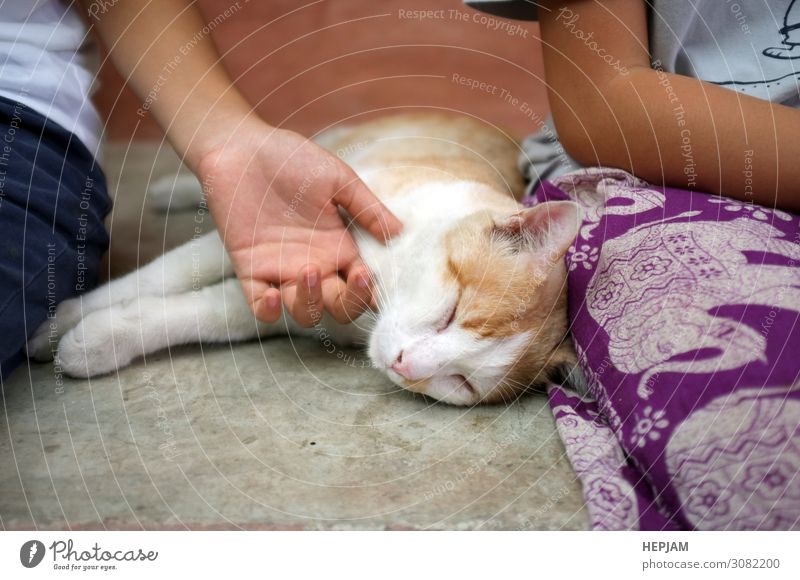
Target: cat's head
(479,314)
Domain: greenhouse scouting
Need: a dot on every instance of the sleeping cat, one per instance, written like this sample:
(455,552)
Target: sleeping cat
(471,297)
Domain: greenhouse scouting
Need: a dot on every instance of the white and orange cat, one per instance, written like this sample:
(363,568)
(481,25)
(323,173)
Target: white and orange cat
(471,296)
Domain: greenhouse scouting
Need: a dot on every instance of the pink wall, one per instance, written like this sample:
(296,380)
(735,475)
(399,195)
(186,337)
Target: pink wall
(309,65)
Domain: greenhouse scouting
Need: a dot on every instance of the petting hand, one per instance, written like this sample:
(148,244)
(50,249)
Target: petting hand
(274,197)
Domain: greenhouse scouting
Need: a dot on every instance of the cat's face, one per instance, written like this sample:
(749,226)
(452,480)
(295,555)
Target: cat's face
(478,313)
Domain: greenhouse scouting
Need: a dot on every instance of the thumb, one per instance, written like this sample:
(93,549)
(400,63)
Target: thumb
(366,209)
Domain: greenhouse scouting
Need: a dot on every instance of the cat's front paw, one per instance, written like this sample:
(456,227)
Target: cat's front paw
(42,345)
(103,342)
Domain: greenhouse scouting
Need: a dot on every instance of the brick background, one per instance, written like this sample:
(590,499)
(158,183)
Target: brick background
(308,65)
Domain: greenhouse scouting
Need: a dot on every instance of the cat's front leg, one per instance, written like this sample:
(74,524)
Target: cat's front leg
(109,339)
(198,263)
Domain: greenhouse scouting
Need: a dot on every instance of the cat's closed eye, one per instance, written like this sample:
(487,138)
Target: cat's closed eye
(448,318)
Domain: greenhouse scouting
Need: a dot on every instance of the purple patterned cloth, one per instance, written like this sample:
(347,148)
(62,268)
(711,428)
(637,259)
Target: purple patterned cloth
(685,312)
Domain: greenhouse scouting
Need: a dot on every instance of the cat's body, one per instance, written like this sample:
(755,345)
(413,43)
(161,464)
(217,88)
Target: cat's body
(471,296)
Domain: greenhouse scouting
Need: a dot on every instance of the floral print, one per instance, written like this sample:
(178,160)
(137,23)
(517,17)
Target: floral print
(653,266)
(586,257)
(769,479)
(648,426)
(709,498)
(605,296)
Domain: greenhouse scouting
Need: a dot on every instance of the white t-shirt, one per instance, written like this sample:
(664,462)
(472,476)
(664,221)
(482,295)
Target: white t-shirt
(49,62)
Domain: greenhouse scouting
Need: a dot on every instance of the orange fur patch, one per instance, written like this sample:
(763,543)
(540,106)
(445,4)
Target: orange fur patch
(503,295)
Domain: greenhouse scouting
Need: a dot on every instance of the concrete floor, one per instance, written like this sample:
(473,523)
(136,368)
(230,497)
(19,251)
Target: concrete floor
(270,435)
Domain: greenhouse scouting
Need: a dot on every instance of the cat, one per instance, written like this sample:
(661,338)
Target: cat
(471,296)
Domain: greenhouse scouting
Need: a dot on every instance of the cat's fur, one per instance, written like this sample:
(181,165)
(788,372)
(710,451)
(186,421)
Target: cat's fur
(471,296)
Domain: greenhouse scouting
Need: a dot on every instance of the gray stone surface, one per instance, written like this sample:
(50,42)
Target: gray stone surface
(273,434)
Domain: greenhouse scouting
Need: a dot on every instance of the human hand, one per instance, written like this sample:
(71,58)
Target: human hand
(253,174)
(274,197)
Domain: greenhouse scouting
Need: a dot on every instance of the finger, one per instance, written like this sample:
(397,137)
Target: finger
(358,267)
(367,210)
(333,290)
(264,301)
(268,307)
(306,305)
(345,301)
(359,293)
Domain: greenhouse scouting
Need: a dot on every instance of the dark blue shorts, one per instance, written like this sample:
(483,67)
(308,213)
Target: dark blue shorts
(53,199)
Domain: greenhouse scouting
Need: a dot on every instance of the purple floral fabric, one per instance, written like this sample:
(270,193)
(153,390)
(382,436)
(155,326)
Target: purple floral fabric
(685,312)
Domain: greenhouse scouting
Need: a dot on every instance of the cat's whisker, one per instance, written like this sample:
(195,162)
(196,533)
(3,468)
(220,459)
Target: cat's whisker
(363,303)
(381,296)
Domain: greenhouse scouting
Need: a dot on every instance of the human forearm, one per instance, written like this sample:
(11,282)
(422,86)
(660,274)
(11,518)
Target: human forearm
(685,133)
(170,61)
(611,108)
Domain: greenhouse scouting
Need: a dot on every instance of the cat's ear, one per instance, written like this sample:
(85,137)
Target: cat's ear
(546,230)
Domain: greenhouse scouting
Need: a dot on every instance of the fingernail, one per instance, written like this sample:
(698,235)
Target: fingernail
(363,282)
(312,279)
(273,302)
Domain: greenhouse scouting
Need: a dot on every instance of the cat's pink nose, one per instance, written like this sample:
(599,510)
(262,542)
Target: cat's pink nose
(401,367)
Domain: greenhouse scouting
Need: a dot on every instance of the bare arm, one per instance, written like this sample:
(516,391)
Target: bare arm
(251,171)
(611,108)
(174,67)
